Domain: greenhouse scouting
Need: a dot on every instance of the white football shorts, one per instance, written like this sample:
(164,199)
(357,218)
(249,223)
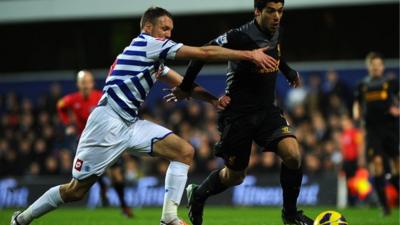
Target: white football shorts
(106,136)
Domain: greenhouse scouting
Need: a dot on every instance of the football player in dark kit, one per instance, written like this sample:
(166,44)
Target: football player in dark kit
(251,115)
(377,104)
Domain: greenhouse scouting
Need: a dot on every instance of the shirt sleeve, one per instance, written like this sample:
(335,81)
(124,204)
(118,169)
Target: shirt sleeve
(229,39)
(159,49)
(232,39)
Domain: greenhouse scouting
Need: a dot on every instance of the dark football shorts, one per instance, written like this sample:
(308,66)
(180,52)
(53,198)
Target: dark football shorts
(383,140)
(239,130)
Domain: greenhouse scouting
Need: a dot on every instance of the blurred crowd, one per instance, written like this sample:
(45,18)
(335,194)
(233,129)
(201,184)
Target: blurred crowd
(33,141)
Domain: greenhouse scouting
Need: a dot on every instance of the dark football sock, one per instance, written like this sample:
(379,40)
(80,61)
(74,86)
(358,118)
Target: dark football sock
(395,181)
(290,183)
(212,185)
(119,188)
(379,185)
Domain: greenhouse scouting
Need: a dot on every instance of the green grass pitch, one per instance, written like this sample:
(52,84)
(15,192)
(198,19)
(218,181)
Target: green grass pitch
(213,216)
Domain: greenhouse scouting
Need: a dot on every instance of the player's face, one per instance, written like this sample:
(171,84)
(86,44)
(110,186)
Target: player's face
(85,83)
(162,28)
(376,67)
(270,16)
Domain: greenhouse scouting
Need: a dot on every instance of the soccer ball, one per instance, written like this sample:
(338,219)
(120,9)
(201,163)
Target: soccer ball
(330,218)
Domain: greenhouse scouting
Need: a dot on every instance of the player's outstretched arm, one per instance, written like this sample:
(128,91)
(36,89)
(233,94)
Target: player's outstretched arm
(217,53)
(191,73)
(173,79)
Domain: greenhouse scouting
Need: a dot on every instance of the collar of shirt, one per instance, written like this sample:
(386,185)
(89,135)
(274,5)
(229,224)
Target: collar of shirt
(267,33)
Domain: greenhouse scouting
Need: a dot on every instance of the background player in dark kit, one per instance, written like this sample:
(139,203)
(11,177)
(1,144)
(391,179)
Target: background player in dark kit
(377,104)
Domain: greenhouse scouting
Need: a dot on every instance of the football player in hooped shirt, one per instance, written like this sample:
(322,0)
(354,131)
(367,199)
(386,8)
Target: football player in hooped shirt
(250,115)
(114,126)
(81,104)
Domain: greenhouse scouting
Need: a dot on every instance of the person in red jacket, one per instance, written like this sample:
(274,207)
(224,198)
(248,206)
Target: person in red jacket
(74,110)
(352,145)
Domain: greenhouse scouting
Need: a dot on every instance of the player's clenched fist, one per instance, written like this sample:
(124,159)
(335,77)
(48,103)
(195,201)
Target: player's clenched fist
(223,102)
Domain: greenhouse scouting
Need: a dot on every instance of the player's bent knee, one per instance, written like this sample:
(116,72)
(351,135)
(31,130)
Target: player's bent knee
(187,154)
(174,148)
(238,180)
(293,161)
(231,178)
(289,151)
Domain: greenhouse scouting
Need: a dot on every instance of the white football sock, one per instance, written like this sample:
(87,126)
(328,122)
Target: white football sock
(50,200)
(175,182)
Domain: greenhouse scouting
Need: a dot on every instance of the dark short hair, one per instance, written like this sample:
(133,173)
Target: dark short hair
(152,14)
(260,4)
(371,56)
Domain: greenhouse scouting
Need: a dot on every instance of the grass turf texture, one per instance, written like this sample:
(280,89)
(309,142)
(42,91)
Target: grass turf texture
(213,216)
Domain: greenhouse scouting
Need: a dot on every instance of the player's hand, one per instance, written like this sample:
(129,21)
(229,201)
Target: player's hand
(159,72)
(175,94)
(293,77)
(296,81)
(263,60)
(223,102)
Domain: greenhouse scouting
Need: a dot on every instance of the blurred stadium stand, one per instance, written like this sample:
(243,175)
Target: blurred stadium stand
(39,10)
(328,33)
(45,42)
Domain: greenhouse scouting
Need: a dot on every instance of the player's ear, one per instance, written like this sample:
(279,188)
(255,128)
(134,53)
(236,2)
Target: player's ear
(148,27)
(257,12)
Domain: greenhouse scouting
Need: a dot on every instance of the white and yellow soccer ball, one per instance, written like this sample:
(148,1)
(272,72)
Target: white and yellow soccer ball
(330,218)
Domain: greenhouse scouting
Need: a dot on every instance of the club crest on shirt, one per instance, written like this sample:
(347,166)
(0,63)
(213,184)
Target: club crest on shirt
(285,130)
(78,165)
(221,40)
